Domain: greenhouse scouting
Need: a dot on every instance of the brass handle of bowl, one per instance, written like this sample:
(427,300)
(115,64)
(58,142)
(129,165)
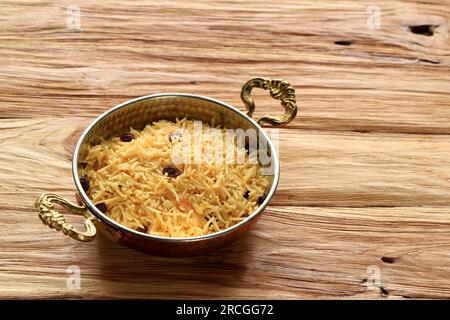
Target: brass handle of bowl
(45,205)
(280,90)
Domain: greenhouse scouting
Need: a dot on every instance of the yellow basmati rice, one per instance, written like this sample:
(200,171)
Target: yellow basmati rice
(128,178)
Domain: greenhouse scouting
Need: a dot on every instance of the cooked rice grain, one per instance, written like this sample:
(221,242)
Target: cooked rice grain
(127,176)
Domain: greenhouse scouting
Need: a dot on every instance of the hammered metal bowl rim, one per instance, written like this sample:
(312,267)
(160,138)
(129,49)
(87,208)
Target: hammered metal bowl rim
(104,218)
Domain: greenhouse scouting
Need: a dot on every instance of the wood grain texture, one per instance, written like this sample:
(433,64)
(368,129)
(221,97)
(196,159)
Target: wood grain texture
(365,166)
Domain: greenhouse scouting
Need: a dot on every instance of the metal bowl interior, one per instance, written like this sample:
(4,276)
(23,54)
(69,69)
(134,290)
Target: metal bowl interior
(138,113)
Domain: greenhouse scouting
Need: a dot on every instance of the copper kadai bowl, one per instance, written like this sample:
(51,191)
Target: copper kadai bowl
(141,111)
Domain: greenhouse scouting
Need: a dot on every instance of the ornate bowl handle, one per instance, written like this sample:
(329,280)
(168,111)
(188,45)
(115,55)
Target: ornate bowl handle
(280,90)
(45,205)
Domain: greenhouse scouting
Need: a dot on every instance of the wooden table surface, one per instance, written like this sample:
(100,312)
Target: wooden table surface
(365,179)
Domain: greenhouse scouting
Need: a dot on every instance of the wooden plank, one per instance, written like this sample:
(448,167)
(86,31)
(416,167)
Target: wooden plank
(347,169)
(294,252)
(363,169)
(387,80)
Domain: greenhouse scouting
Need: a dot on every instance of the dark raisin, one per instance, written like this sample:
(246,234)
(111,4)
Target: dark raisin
(174,136)
(261,199)
(171,171)
(142,229)
(246,194)
(101,207)
(127,137)
(85,184)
